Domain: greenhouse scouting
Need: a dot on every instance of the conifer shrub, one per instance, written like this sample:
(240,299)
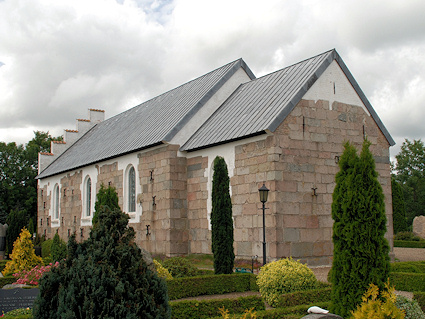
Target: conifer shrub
(46,248)
(378,305)
(361,252)
(180,267)
(221,220)
(103,277)
(161,271)
(284,276)
(16,220)
(23,256)
(107,196)
(399,207)
(58,249)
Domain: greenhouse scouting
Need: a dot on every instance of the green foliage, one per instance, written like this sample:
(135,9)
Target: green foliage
(417,267)
(16,220)
(408,281)
(19,314)
(6,280)
(23,256)
(210,285)
(408,236)
(221,220)
(361,253)
(180,267)
(409,244)
(3,264)
(410,173)
(18,169)
(105,197)
(399,208)
(103,277)
(46,248)
(58,249)
(410,307)
(420,298)
(194,309)
(284,276)
(306,297)
(378,305)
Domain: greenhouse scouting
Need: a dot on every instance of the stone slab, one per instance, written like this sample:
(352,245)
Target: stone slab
(17,298)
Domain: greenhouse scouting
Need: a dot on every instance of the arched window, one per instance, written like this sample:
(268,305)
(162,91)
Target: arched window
(88,197)
(56,202)
(131,190)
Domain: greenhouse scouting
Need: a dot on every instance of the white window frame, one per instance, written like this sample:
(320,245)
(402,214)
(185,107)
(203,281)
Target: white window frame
(56,202)
(88,198)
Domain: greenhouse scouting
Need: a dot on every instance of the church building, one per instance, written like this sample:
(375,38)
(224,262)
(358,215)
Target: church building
(285,130)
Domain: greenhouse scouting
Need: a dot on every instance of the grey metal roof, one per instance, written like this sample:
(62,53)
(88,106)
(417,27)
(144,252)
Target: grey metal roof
(262,104)
(148,124)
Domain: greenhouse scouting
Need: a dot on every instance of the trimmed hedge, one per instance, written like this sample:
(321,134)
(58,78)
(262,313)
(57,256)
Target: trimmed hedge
(408,281)
(305,297)
(409,244)
(409,266)
(296,312)
(210,285)
(420,298)
(194,309)
(7,280)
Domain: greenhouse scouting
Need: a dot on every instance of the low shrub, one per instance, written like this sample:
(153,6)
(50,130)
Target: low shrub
(416,267)
(194,309)
(304,297)
(408,281)
(409,244)
(6,280)
(23,313)
(410,307)
(161,271)
(3,264)
(58,249)
(407,235)
(376,304)
(208,285)
(284,276)
(180,267)
(420,298)
(46,248)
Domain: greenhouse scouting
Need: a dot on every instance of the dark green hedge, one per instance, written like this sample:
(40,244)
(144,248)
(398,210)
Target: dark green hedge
(210,285)
(194,309)
(287,313)
(408,281)
(7,280)
(3,264)
(409,266)
(420,298)
(409,244)
(305,297)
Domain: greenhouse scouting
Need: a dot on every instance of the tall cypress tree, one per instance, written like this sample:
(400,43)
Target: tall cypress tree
(399,208)
(103,277)
(360,249)
(221,220)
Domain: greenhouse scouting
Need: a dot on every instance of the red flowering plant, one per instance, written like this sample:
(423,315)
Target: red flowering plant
(32,277)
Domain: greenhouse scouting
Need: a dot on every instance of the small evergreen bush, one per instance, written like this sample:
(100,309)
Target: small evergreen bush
(46,248)
(378,306)
(408,281)
(180,267)
(23,255)
(417,267)
(58,249)
(284,276)
(407,235)
(410,307)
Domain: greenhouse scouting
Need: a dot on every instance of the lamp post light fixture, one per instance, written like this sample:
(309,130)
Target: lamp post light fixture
(264,192)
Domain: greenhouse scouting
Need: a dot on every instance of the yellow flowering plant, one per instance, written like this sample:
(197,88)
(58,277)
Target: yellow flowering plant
(162,271)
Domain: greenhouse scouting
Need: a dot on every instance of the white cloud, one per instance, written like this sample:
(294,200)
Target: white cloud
(61,57)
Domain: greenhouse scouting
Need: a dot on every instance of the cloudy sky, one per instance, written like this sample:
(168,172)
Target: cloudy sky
(59,58)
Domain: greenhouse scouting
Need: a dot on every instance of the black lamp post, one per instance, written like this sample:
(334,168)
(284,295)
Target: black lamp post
(264,192)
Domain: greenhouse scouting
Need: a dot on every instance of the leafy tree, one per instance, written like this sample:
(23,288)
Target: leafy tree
(23,256)
(399,210)
(18,169)
(410,173)
(58,249)
(16,220)
(103,277)
(360,249)
(221,220)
